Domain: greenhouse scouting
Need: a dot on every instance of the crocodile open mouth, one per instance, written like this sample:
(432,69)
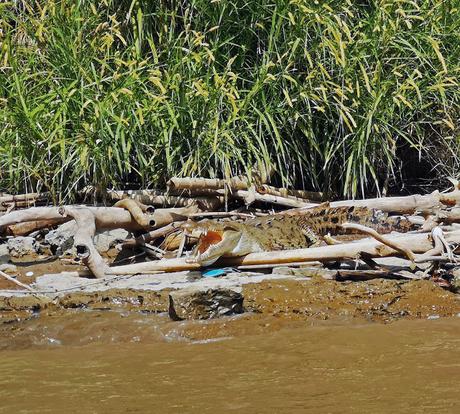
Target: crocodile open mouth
(208,239)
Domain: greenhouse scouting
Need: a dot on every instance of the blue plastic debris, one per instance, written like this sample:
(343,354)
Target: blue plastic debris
(218,272)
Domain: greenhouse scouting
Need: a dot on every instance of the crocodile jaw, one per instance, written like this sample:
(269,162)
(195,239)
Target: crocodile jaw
(233,243)
(229,240)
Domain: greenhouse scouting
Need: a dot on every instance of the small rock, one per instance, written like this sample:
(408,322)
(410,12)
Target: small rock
(104,240)
(61,239)
(193,303)
(29,274)
(455,282)
(4,254)
(22,246)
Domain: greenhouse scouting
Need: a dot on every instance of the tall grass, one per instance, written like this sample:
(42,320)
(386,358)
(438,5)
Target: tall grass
(338,96)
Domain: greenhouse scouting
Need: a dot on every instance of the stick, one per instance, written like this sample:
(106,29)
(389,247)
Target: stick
(17,282)
(380,238)
(148,237)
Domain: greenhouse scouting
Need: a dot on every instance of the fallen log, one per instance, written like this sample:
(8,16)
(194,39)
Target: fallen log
(417,243)
(23,229)
(23,199)
(382,239)
(83,239)
(259,176)
(106,218)
(197,184)
(250,196)
(154,197)
(303,195)
(426,204)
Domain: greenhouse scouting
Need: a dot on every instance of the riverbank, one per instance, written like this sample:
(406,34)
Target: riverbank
(270,302)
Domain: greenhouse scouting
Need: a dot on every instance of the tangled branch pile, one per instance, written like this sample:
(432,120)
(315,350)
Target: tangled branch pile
(162,234)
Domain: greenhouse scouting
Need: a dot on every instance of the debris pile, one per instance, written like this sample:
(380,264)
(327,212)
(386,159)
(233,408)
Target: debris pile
(245,225)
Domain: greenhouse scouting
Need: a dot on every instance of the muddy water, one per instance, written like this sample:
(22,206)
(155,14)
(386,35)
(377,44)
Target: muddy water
(115,362)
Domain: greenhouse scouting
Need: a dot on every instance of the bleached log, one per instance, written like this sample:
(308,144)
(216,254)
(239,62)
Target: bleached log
(428,203)
(157,198)
(260,176)
(23,229)
(234,183)
(106,217)
(137,213)
(23,198)
(249,196)
(305,196)
(163,265)
(83,239)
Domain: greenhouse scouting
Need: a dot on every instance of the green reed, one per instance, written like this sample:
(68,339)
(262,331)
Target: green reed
(335,95)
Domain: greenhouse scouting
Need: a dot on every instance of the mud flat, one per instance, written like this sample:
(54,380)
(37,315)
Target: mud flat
(270,301)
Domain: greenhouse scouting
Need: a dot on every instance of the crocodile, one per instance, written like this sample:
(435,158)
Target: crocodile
(283,231)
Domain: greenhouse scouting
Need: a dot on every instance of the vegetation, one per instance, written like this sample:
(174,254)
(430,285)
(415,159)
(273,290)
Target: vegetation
(336,95)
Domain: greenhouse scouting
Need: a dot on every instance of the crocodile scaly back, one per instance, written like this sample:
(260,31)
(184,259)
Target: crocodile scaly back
(302,228)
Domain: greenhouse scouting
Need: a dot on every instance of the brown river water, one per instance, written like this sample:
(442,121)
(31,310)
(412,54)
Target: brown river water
(130,362)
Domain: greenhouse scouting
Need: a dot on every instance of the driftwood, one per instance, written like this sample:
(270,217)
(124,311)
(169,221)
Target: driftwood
(305,196)
(148,237)
(83,239)
(425,204)
(197,184)
(156,198)
(134,212)
(22,200)
(260,175)
(382,239)
(23,229)
(106,218)
(250,196)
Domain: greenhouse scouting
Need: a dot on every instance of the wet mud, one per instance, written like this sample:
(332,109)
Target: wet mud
(269,306)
